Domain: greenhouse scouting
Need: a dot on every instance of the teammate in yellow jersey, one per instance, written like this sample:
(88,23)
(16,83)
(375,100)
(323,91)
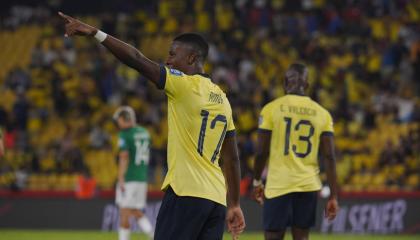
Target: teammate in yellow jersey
(200,130)
(291,129)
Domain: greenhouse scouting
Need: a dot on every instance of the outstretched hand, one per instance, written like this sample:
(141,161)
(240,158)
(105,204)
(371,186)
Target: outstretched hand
(76,27)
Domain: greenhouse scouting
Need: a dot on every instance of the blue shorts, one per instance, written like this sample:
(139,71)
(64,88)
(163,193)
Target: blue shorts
(297,209)
(189,218)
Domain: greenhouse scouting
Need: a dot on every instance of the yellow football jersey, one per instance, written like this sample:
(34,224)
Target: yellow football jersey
(296,124)
(199,118)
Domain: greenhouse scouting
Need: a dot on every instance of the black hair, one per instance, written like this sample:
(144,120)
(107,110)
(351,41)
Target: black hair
(196,41)
(298,67)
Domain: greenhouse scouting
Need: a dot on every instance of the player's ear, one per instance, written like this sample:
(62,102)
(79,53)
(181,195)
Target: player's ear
(306,85)
(305,79)
(285,83)
(192,58)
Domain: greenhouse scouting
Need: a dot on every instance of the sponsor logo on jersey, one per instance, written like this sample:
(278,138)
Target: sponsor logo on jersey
(121,142)
(175,72)
(260,120)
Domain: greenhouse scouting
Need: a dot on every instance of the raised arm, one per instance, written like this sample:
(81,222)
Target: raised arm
(328,154)
(263,151)
(126,53)
(231,171)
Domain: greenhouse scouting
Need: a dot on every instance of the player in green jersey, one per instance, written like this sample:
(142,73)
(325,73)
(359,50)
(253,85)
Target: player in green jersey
(133,156)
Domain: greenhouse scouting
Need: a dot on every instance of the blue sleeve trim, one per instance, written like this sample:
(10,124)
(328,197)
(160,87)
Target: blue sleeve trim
(230,133)
(162,77)
(262,130)
(327,134)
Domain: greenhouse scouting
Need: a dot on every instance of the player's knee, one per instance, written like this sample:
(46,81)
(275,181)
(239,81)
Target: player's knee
(137,213)
(124,212)
(300,233)
(274,235)
(124,218)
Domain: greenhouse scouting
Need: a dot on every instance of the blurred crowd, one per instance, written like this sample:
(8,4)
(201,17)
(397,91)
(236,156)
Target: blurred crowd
(363,59)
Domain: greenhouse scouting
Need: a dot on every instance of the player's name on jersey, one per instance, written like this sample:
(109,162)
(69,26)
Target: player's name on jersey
(216,98)
(298,110)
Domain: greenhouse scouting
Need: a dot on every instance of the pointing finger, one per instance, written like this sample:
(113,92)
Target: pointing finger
(67,18)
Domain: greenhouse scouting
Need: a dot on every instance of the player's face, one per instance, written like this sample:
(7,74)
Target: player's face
(122,124)
(294,81)
(178,57)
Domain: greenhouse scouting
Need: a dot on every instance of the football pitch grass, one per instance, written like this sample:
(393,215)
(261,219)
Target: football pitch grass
(8,234)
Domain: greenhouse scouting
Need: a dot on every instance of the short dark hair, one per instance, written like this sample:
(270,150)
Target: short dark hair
(298,67)
(196,41)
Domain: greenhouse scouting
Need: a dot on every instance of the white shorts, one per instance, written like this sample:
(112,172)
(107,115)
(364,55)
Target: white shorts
(134,196)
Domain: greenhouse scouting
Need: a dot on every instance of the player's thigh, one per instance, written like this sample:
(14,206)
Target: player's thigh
(277,213)
(139,197)
(215,224)
(125,213)
(165,216)
(137,213)
(304,209)
(181,217)
(133,197)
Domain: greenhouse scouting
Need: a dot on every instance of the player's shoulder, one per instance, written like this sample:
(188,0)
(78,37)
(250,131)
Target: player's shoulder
(215,90)
(122,133)
(172,77)
(320,108)
(272,104)
(141,130)
(179,74)
(223,95)
(175,72)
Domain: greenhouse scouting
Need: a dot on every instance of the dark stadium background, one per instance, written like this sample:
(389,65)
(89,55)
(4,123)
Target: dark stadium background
(57,96)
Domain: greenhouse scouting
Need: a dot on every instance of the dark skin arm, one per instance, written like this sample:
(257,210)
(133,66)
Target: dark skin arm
(230,167)
(1,147)
(263,151)
(231,171)
(126,53)
(328,154)
(133,58)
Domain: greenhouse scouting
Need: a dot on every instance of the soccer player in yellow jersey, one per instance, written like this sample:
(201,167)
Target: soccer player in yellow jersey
(198,185)
(291,129)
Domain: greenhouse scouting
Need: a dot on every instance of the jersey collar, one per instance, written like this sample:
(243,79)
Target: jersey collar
(204,75)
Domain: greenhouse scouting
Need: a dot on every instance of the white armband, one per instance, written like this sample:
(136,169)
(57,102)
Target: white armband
(100,36)
(257,183)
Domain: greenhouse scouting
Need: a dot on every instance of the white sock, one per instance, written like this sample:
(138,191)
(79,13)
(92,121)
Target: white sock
(124,233)
(146,226)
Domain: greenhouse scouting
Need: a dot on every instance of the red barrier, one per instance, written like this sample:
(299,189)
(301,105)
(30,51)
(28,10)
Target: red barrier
(381,194)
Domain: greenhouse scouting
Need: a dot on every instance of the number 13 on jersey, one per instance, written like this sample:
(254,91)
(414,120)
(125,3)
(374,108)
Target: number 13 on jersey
(303,138)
